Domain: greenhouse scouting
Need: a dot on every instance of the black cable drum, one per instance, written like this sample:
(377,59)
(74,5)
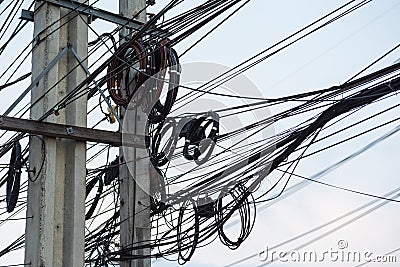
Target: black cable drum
(14,177)
(195,134)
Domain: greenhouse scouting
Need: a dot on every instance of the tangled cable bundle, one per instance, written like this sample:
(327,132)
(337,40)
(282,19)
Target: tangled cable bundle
(247,221)
(111,171)
(123,79)
(18,160)
(200,137)
(157,191)
(160,156)
(145,64)
(160,111)
(183,236)
(146,71)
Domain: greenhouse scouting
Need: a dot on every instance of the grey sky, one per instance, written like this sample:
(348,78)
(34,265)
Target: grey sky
(328,57)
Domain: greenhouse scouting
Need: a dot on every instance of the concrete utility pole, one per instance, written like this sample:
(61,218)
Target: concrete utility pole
(56,200)
(135,200)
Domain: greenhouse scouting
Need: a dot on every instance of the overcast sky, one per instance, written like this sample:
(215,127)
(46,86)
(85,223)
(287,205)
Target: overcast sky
(328,57)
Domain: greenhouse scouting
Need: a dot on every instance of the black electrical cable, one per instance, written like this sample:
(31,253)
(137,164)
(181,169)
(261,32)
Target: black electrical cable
(18,243)
(5,8)
(14,177)
(160,158)
(245,216)
(17,30)
(213,29)
(171,251)
(322,226)
(212,85)
(98,179)
(23,77)
(161,110)
(245,195)
(106,34)
(119,73)
(10,15)
(296,136)
(179,235)
(341,188)
(111,172)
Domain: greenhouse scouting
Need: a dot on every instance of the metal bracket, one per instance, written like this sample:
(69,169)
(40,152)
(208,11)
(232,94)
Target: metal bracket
(70,131)
(85,68)
(94,13)
(37,79)
(27,15)
(55,130)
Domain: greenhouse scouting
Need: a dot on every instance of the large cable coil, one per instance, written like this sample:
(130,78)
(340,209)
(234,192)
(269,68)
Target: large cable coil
(14,177)
(123,78)
(142,70)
